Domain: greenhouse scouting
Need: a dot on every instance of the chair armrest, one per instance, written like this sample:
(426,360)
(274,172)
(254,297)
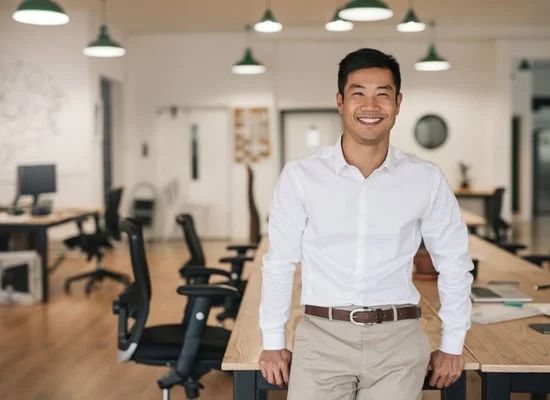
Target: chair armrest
(207,290)
(238,259)
(195,271)
(241,247)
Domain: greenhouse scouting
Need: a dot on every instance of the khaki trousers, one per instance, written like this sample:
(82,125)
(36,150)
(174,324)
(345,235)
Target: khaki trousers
(337,360)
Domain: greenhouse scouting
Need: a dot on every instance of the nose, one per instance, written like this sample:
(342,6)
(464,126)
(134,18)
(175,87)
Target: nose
(370,103)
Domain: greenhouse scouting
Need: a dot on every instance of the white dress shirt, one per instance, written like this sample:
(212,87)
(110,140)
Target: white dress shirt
(356,238)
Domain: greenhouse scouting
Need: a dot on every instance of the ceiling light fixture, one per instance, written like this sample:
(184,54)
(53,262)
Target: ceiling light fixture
(248,65)
(432,61)
(40,12)
(411,23)
(103,45)
(337,24)
(268,23)
(365,10)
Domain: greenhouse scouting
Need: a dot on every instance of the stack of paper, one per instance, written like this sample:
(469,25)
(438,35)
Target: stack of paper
(491,313)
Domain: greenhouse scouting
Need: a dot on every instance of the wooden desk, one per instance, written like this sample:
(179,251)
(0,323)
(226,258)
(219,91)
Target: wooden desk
(245,344)
(37,226)
(512,356)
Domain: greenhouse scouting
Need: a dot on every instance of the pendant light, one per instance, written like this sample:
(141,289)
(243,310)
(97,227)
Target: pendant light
(248,65)
(268,23)
(103,45)
(411,23)
(40,12)
(337,24)
(365,10)
(432,61)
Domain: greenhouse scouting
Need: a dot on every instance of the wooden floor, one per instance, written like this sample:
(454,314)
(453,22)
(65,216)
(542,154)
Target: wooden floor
(67,348)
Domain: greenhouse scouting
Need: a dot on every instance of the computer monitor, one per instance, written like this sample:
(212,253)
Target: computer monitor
(36,179)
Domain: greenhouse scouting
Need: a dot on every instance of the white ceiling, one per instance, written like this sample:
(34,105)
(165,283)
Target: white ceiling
(157,16)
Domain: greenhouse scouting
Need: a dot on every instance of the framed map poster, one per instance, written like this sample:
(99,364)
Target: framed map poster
(252,143)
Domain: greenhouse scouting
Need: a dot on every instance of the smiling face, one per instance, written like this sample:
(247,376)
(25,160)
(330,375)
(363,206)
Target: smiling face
(369,105)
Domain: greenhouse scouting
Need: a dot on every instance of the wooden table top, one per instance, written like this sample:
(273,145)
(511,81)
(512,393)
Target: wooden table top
(472,219)
(245,344)
(509,346)
(55,218)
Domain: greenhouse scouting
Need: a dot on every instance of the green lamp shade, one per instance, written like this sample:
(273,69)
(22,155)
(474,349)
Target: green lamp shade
(411,23)
(104,46)
(268,23)
(432,62)
(40,12)
(337,24)
(248,65)
(365,10)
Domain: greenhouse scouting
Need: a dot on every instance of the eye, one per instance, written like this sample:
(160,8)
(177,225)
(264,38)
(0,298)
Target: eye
(357,94)
(383,94)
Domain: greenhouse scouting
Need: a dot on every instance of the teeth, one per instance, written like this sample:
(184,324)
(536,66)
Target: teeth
(370,120)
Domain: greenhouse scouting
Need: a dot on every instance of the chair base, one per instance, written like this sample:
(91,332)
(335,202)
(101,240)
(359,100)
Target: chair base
(93,277)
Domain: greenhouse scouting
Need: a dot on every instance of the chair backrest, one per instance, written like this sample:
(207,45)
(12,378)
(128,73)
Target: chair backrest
(494,213)
(191,239)
(255,232)
(135,298)
(111,212)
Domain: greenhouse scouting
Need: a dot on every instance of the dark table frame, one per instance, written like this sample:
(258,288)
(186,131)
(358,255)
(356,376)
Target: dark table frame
(39,234)
(499,385)
(250,385)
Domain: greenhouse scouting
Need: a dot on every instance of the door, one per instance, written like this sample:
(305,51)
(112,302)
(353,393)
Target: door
(305,132)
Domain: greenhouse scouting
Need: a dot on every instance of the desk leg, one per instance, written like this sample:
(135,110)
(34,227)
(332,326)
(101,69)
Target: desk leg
(42,248)
(495,386)
(457,391)
(244,385)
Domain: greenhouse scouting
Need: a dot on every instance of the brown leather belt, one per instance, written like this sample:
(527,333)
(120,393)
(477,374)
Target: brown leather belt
(365,315)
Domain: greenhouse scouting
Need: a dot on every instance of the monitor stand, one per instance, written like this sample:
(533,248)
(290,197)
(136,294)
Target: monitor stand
(38,209)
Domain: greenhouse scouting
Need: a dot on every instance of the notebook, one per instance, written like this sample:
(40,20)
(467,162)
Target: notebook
(498,294)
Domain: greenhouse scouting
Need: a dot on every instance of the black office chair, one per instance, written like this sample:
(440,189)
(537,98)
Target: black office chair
(499,229)
(96,243)
(255,235)
(195,270)
(190,348)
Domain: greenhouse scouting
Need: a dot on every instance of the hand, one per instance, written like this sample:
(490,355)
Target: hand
(446,368)
(275,366)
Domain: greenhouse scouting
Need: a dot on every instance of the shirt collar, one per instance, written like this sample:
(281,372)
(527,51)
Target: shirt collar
(340,162)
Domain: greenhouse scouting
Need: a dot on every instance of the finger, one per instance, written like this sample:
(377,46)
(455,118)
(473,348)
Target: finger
(270,377)
(284,370)
(262,369)
(441,382)
(434,378)
(277,375)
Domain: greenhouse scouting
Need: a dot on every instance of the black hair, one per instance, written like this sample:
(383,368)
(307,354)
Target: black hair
(367,58)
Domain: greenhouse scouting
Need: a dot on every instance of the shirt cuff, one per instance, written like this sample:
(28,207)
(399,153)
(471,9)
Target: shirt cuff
(274,340)
(452,342)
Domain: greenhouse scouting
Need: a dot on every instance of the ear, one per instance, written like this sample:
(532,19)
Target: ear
(339,102)
(398,100)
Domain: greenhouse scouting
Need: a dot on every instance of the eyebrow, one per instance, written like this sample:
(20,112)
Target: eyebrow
(358,86)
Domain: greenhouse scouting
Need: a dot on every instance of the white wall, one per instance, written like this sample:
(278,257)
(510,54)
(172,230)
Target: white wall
(48,107)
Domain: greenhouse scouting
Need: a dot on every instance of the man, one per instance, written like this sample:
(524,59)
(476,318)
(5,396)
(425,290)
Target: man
(354,215)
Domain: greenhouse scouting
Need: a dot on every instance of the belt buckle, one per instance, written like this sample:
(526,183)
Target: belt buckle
(352,313)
